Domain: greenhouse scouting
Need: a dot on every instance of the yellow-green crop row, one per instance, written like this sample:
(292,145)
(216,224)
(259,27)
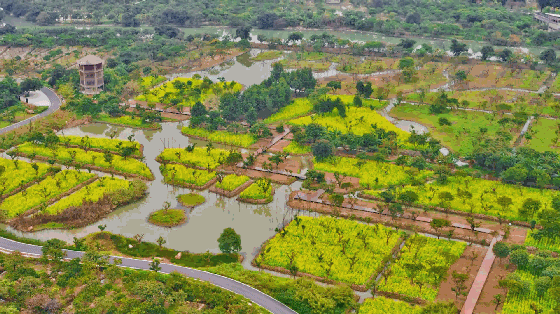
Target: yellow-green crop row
(43,191)
(485,195)
(107,144)
(297,149)
(366,102)
(372,174)
(92,193)
(179,174)
(195,90)
(62,154)
(358,121)
(421,253)
(232,182)
(224,137)
(337,249)
(382,305)
(255,192)
(199,157)
(298,107)
(13,177)
(151,81)
(545,243)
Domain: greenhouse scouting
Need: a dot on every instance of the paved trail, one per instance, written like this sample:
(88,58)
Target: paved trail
(55,105)
(248,292)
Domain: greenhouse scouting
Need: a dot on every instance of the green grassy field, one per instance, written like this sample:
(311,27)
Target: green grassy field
(466,129)
(543,136)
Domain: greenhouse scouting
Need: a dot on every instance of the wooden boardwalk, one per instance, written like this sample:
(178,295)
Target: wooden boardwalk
(480,279)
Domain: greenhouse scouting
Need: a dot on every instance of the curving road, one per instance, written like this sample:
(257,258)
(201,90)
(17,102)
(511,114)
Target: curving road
(265,301)
(55,105)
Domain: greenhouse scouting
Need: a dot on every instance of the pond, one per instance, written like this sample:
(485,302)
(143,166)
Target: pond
(255,223)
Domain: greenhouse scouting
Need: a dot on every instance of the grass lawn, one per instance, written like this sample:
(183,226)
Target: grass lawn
(542,135)
(464,134)
(268,55)
(135,122)
(300,64)
(167,217)
(191,199)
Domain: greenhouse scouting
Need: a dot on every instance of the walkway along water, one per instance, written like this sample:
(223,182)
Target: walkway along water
(250,293)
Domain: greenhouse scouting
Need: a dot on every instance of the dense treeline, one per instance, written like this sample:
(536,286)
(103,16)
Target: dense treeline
(257,100)
(494,22)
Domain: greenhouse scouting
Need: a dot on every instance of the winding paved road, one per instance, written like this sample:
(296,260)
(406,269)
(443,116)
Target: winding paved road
(55,105)
(248,292)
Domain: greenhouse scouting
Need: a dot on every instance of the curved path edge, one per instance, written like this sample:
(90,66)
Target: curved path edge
(256,296)
(54,106)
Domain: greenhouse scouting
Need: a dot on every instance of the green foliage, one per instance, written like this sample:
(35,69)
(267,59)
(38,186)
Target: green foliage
(229,241)
(208,158)
(302,295)
(191,199)
(382,305)
(167,217)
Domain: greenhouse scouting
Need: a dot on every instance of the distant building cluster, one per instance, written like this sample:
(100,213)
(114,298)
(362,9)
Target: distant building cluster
(552,20)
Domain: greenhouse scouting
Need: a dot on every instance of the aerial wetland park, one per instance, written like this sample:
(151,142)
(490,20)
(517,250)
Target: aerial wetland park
(290,156)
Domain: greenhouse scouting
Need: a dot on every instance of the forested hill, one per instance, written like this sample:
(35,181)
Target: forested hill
(505,22)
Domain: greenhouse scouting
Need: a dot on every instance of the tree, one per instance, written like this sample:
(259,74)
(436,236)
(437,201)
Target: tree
(229,241)
(334,85)
(548,56)
(53,250)
(161,241)
(437,224)
(505,55)
(457,47)
(102,227)
(30,84)
(243,32)
(501,250)
(487,52)
(154,264)
(395,210)
(459,280)
(322,150)
(498,300)
(529,208)
(519,258)
(295,36)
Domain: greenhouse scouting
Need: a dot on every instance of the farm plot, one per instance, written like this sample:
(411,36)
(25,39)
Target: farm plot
(532,294)
(16,173)
(91,193)
(372,174)
(358,121)
(224,137)
(197,157)
(479,196)
(334,249)
(299,107)
(105,144)
(188,91)
(180,175)
(382,305)
(493,75)
(462,131)
(260,191)
(421,267)
(42,192)
(84,159)
(232,182)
